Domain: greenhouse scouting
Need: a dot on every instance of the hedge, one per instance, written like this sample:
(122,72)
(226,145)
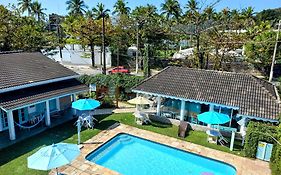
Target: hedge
(122,83)
(120,80)
(275,162)
(257,131)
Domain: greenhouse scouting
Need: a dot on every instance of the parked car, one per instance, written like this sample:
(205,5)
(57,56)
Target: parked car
(119,69)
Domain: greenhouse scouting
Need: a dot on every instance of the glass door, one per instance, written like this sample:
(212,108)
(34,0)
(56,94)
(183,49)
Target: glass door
(22,116)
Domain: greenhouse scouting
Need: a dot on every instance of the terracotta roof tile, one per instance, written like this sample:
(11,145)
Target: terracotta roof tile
(21,97)
(254,97)
(24,68)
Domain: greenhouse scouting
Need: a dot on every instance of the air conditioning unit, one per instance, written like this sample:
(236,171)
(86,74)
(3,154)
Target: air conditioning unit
(264,151)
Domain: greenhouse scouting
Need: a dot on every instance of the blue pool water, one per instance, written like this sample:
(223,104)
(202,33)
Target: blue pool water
(130,155)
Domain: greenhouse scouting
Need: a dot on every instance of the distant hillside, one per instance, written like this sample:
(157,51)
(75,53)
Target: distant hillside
(273,15)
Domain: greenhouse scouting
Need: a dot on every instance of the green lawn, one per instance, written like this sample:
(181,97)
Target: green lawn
(197,137)
(13,160)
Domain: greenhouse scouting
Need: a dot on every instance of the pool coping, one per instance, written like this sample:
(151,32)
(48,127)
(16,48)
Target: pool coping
(81,166)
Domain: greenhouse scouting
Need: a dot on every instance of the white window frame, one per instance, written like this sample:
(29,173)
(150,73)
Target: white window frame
(31,109)
(22,117)
(4,117)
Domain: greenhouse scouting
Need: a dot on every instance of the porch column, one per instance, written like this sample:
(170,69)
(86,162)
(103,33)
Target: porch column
(11,125)
(47,117)
(243,132)
(137,106)
(182,110)
(232,140)
(74,112)
(58,104)
(211,108)
(158,105)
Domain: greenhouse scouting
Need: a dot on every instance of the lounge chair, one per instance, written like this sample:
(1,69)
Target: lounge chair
(223,141)
(142,118)
(182,129)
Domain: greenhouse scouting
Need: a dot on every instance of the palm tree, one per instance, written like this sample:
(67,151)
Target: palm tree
(248,15)
(76,7)
(248,12)
(89,14)
(209,13)
(196,18)
(192,5)
(101,12)
(25,5)
(37,10)
(171,8)
(120,8)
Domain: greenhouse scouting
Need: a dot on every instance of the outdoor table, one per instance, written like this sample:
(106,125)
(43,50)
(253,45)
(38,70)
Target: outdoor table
(167,114)
(212,136)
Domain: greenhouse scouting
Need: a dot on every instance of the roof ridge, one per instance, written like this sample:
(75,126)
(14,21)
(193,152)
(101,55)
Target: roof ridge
(11,52)
(209,70)
(276,97)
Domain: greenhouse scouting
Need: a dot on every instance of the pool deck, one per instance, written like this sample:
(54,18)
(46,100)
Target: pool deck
(81,166)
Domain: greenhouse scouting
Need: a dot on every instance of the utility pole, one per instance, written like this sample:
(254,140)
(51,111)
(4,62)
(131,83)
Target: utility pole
(274,53)
(146,68)
(137,53)
(103,44)
(59,34)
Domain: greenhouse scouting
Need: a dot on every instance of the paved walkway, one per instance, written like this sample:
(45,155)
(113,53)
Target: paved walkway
(113,110)
(81,166)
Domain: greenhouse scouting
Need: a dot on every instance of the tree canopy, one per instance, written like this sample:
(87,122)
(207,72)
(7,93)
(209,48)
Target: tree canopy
(158,34)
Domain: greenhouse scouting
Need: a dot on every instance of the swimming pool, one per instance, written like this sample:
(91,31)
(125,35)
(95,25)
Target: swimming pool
(131,155)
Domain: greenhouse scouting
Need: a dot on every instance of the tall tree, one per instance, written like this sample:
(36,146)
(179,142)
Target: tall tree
(199,16)
(76,7)
(101,13)
(120,8)
(85,30)
(38,10)
(25,5)
(247,15)
(195,17)
(22,33)
(259,49)
(7,28)
(150,30)
(171,9)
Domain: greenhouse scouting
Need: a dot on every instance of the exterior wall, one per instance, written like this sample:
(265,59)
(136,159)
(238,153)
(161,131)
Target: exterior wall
(191,110)
(53,105)
(27,113)
(65,102)
(77,55)
(23,115)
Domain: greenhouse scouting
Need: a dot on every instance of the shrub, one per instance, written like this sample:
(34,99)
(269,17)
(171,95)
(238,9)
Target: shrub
(107,102)
(257,131)
(275,162)
(123,82)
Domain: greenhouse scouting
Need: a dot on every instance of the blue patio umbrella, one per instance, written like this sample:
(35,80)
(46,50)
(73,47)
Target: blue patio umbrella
(53,156)
(85,104)
(213,117)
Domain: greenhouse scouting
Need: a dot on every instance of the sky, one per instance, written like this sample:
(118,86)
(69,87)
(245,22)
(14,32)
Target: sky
(59,6)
